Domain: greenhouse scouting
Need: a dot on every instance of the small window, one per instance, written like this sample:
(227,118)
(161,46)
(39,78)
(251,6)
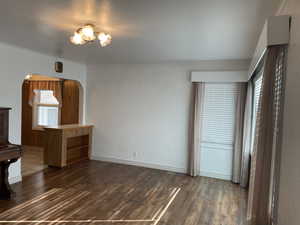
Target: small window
(256,96)
(45,109)
(218,114)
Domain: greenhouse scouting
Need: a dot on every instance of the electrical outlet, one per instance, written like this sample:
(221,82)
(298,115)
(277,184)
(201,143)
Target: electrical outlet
(134,154)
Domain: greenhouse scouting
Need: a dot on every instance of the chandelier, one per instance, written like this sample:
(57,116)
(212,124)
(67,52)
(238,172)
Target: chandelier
(88,34)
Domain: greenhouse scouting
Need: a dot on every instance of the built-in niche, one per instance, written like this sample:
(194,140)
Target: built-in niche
(46,101)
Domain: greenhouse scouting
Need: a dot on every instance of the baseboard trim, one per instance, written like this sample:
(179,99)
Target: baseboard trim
(159,167)
(214,175)
(141,164)
(16,179)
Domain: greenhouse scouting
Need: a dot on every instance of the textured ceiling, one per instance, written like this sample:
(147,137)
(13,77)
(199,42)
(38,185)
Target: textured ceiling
(143,31)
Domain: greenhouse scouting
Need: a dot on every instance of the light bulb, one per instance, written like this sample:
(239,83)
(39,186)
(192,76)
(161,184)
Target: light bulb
(28,77)
(88,33)
(105,39)
(77,39)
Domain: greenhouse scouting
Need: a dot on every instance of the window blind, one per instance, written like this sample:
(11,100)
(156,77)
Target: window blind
(257,90)
(256,97)
(218,116)
(47,97)
(277,123)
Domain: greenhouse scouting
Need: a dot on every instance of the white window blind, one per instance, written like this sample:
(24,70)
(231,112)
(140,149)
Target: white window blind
(47,97)
(256,96)
(218,117)
(257,89)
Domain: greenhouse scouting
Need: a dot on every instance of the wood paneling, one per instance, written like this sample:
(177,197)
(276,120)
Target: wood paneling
(107,192)
(70,104)
(29,136)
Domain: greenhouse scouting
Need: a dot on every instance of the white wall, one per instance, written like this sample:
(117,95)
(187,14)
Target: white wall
(289,199)
(141,111)
(15,64)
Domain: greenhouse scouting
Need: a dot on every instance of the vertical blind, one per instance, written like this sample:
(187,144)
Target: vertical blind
(218,116)
(277,121)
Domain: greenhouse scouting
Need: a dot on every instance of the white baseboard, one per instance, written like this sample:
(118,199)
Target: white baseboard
(141,164)
(214,175)
(13,180)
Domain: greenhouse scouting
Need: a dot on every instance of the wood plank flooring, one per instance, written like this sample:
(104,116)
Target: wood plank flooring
(104,193)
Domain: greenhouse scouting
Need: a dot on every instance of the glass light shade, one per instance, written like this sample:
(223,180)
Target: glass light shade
(77,39)
(105,39)
(28,77)
(88,33)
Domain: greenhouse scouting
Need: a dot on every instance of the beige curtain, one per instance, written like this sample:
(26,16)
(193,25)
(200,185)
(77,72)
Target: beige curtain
(239,125)
(246,149)
(194,146)
(267,139)
(55,86)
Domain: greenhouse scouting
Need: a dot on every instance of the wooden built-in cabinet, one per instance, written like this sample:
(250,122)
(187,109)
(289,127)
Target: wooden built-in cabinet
(67,144)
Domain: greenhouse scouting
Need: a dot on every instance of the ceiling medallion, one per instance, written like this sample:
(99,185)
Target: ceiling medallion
(88,34)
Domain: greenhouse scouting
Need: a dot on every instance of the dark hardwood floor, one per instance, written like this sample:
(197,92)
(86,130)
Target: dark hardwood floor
(105,193)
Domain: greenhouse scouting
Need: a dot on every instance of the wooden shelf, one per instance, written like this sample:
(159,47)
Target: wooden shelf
(68,144)
(78,147)
(78,141)
(77,153)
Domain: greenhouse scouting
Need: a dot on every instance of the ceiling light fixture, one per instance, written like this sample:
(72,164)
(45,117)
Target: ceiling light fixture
(77,38)
(88,34)
(105,39)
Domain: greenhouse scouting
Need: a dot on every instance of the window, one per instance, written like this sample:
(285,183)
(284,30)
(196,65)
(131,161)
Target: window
(219,114)
(218,129)
(256,94)
(45,109)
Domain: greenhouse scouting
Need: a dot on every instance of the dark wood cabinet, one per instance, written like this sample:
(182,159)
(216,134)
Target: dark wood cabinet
(9,153)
